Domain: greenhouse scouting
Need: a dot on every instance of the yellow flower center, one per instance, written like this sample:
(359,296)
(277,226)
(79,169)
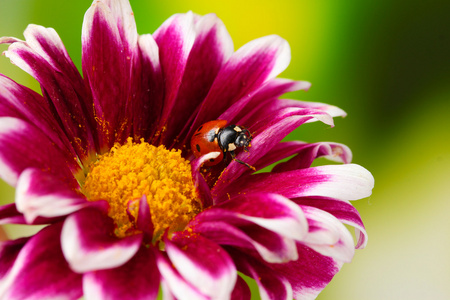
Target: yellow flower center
(127,172)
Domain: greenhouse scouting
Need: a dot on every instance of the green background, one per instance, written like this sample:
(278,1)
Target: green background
(387,64)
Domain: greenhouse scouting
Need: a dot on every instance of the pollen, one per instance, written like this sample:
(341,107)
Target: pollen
(127,172)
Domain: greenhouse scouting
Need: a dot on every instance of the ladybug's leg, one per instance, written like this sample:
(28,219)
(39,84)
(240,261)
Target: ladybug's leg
(233,156)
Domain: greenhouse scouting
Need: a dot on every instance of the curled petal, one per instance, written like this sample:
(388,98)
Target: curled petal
(137,279)
(39,194)
(40,270)
(203,264)
(343,211)
(327,235)
(88,242)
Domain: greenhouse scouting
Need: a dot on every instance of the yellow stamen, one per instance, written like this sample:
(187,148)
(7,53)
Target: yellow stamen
(127,172)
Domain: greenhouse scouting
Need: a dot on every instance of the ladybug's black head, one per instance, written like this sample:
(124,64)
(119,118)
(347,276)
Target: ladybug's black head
(232,137)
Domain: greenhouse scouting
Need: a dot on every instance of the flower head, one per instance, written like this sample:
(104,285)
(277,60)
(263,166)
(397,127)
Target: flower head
(104,161)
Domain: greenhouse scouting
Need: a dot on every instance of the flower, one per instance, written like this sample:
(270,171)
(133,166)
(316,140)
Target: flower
(104,162)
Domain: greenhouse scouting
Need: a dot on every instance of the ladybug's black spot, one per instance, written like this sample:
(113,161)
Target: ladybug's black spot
(211,159)
(198,147)
(200,128)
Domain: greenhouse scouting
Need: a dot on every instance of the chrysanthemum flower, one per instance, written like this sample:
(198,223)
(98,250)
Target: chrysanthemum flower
(103,160)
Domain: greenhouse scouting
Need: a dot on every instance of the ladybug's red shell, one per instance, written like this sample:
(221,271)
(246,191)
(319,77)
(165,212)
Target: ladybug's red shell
(205,141)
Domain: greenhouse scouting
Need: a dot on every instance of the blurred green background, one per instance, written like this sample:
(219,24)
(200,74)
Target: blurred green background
(387,63)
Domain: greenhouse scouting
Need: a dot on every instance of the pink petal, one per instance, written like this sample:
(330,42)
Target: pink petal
(327,235)
(148,88)
(241,290)
(22,103)
(109,45)
(267,132)
(307,153)
(271,246)
(342,182)
(42,194)
(174,284)
(175,39)
(309,274)
(137,279)
(343,211)
(272,285)
(211,49)
(201,186)
(271,211)
(40,270)
(44,57)
(144,218)
(8,254)
(24,146)
(247,69)
(203,264)
(10,215)
(88,242)
(268,93)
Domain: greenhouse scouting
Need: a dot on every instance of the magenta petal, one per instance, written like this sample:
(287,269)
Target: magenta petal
(22,103)
(211,49)
(272,285)
(44,57)
(109,43)
(343,211)
(309,274)
(241,290)
(247,69)
(307,153)
(24,146)
(40,270)
(174,285)
(144,218)
(271,211)
(41,194)
(88,242)
(203,264)
(267,132)
(240,111)
(271,246)
(175,39)
(148,89)
(8,254)
(10,215)
(201,186)
(137,279)
(342,182)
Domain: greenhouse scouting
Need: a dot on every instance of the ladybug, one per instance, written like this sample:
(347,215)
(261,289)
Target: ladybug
(215,136)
